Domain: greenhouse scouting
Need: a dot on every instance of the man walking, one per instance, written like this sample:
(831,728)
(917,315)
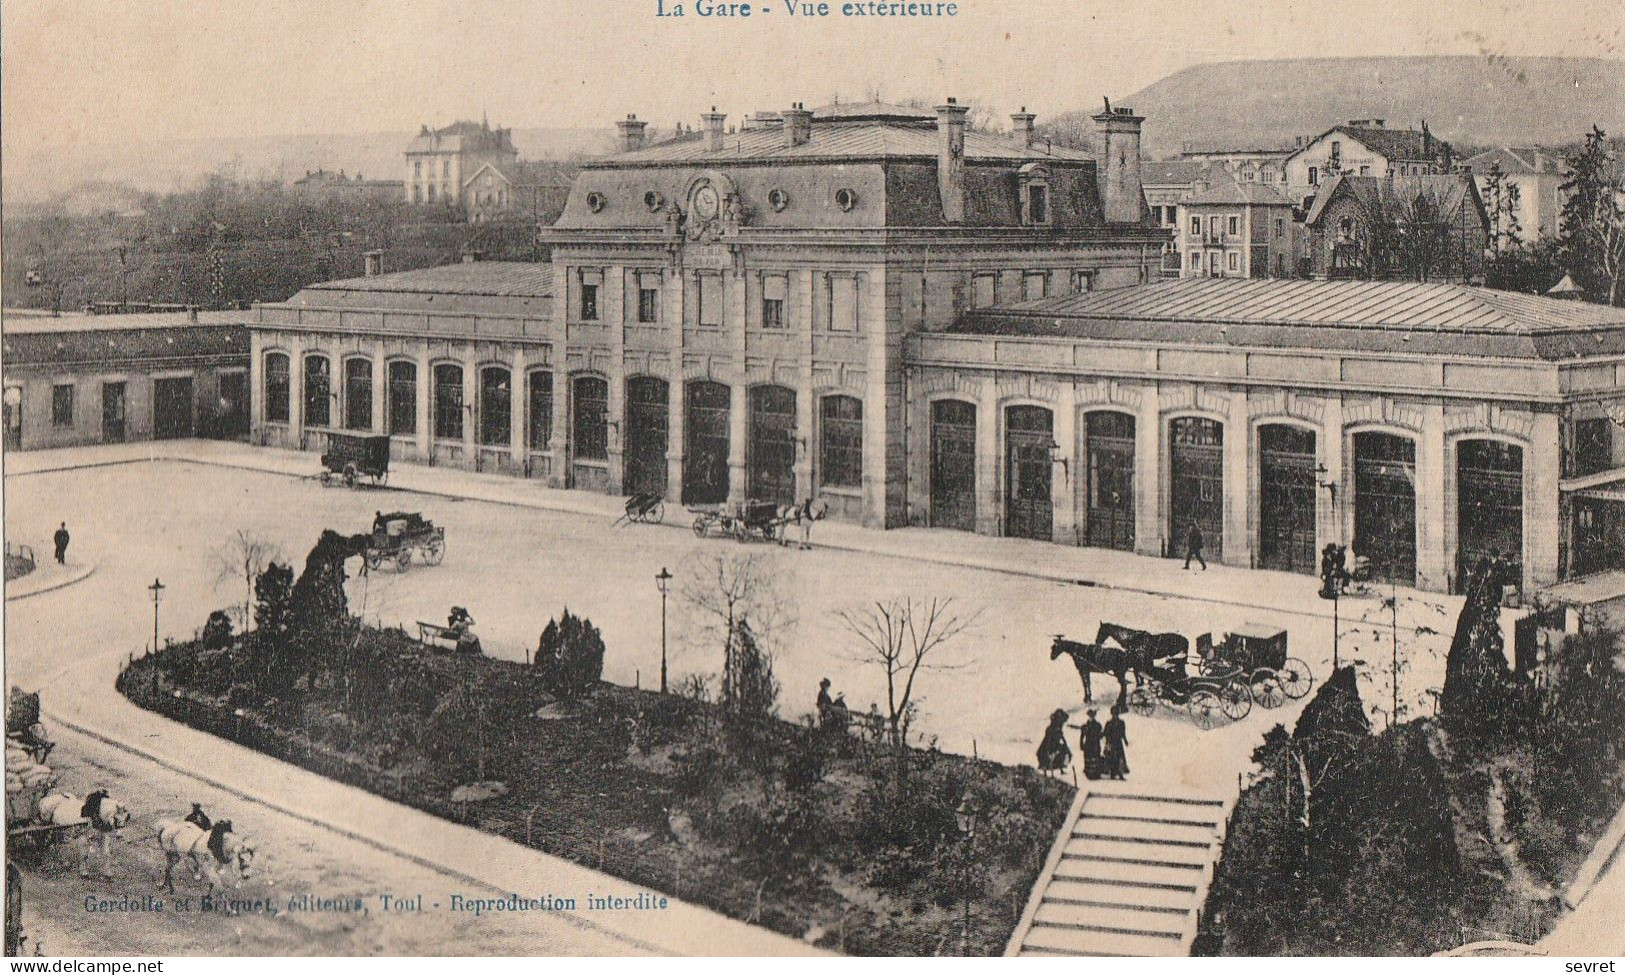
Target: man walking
(1193,547)
(61,539)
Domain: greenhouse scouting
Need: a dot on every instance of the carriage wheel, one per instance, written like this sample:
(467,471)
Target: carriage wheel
(435,551)
(1142,702)
(655,515)
(1236,698)
(1212,666)
(1206,709)
(352,477)
(327,478)
(1296,678)
(700,525)
(1267,688)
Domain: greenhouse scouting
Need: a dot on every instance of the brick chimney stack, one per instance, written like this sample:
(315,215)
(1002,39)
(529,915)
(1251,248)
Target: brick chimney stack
(1118,170)
(632,133)
(951,160)
(1021,127)
(714,131)
(373,263)
(797,125)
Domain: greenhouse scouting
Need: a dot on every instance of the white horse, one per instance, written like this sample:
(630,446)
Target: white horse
(217,852)
(803,514)
(101,812)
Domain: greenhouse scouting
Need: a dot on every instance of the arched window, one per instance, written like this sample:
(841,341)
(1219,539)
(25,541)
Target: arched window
(403,397)
(496,406)
(318,387)
(277,382)
(358,394)
(541,409)
(840,449)
(590,429)
(448,401)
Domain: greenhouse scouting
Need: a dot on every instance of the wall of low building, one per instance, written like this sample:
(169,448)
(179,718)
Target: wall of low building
(36,392)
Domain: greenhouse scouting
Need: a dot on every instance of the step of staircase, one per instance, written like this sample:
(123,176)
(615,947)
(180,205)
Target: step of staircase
(1127,874)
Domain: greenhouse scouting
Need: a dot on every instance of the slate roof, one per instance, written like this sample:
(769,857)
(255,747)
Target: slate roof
(840,137)
(1174,172)
(28,322)
(1376,316)
(1451,188)
(501,279)
(1514,162)
(458,136)
(1394,144)
(1232,192)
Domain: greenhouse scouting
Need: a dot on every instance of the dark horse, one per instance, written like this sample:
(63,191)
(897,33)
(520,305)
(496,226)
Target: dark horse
(1148,648)
(1093,658)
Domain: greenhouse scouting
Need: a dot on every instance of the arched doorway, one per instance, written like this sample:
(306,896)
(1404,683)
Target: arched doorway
(647,419)
(1385,505)
(953,465)
(1489,506)
(1196,483)
(1287,485)
(1029,508)
(705,450)
(770,462)
(1108,485)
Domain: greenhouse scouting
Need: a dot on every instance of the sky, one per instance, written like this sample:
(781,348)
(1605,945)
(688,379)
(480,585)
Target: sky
(108,71)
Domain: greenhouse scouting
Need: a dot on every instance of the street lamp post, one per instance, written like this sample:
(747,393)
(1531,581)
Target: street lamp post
(965,819)
(157,589)
(663,580)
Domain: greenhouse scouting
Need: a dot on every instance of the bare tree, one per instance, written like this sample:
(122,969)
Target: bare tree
(903,637)
(733,595)
(243,557)
(1410,224)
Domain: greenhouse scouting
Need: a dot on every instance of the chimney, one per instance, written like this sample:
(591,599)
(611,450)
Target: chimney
(1118,171)
(951,160)
(631,133)
(372,263)
(797,125)
(714,132)
(1021,127)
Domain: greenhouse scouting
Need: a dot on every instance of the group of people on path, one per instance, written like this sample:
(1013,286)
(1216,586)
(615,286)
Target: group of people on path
(1105,747)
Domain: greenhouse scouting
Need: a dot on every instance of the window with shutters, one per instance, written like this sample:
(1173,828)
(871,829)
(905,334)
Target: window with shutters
(843,302)
(774,287)
(841,444)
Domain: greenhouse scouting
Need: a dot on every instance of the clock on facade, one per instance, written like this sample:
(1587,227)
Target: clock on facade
(706,203)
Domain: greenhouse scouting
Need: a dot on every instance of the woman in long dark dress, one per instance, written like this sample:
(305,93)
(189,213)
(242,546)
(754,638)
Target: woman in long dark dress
(1053,755)
(1116,735)
(1090,741)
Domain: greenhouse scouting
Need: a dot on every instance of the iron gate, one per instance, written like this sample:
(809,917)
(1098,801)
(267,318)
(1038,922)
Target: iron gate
(772,457)
(705,452)
(1109,483)
(1286,498)
(953,465)
(1385,505)
(647,418)
(1196,484)
(1029,506)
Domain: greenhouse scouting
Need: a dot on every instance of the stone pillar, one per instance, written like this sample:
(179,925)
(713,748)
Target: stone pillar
(1432,561)
(738,430)
(558,443)
(613,314)
(1064,477)
(800,299)
(671,319)
(425,405)
(380,388)
(518,413)
(882,405)
(1543,523)
(989,461)
(1237,480)
(1331,501)
(733,314)
(471,407)
(1148,487)
(256,386)
(296,391)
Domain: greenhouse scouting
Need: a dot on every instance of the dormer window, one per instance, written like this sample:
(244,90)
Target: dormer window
(1035,209)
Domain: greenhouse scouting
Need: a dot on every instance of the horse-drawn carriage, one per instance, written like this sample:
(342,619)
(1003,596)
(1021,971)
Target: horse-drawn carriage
(1161,664)
(1207,698)
(747,519)
(29,781)
(1259,652)
(645,509)
(402,537)
(349,458)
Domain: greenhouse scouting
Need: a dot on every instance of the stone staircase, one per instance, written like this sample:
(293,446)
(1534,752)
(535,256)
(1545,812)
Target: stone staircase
(1127,876)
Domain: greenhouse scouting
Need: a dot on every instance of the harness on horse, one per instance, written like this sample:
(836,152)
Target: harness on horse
(197,817)
(217,840)
(92,810)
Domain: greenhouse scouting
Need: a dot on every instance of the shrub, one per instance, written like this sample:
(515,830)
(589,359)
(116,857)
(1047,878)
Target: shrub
(217,631)
(570,656)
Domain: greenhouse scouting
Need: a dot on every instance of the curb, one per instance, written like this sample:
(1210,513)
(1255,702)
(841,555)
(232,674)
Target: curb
(79,574)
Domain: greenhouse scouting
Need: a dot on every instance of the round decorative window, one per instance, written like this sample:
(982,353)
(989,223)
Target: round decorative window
(846,199)
(778,199)
(653,200)
(596,201)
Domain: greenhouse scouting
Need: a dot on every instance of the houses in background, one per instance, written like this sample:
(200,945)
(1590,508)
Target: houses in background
(1521,189)
(465,164)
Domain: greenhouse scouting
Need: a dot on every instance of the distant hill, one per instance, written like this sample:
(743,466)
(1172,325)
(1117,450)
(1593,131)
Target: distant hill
(34,174)
(1472,100)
